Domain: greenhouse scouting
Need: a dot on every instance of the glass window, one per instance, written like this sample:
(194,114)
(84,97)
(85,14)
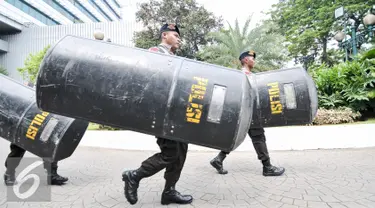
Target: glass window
(25,8)
(85,11)
(110,8)
(28,9)
(32,12)
(99,10)
(50,22)
(10,1)
(18,4)
(115,2)
(38,16)
(54,4)
(44,19)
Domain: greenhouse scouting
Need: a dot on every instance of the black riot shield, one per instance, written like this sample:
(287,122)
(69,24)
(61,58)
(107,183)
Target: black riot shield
(153,93)
(284,97)
(50,136)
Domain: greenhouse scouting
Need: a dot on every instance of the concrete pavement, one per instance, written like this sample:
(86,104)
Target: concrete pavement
(314,178)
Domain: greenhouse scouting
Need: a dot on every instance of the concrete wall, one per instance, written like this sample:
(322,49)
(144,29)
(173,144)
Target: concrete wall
(32,40)
(3,46)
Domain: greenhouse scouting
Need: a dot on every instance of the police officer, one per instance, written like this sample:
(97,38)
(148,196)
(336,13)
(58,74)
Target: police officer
(257,136)
(14,159)
(173,154)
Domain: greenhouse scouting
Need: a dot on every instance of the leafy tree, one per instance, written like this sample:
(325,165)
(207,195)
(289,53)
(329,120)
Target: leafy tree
(229,44)
(334,57)
(32,65)
(310,24)
(194,22)
(3,71)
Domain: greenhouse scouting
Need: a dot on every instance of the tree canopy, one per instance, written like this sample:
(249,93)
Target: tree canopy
(311,24)
(229,44)
(32,64)
(193,20)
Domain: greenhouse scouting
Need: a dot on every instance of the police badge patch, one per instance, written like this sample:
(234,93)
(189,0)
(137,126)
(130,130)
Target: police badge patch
(172,26)
(154,49)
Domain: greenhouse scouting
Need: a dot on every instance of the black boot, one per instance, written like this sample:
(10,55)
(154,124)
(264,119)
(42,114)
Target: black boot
(131,179)
(217,163)
(170,195)
(55,179)
(10,178)
(270,170)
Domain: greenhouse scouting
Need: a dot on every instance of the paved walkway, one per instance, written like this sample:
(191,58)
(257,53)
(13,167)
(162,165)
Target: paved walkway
(314,178)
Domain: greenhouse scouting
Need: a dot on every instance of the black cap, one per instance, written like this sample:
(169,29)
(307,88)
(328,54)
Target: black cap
(247,53)
(169,27)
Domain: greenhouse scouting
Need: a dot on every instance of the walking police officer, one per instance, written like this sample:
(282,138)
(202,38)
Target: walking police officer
(173,154)
(14,159)
(257,136)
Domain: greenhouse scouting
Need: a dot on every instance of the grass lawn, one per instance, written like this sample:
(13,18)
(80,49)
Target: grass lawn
(369,121)
(93,126)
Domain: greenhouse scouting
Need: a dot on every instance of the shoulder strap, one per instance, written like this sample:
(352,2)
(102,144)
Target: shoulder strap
(164,49)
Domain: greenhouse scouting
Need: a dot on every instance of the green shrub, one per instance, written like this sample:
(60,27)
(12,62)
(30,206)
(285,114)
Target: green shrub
(3,71)
(32,64)
(335,116)
(350,84)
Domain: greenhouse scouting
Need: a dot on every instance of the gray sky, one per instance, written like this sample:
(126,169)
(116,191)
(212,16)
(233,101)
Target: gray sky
(228,9)
(240,9)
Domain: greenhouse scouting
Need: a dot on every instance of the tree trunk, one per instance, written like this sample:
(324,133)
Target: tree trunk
(196,45)
(324,53)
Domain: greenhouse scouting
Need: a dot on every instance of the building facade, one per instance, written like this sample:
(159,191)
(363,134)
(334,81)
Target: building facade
(61,12)
(28,26)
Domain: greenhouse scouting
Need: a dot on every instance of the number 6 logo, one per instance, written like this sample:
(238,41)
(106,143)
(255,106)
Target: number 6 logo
(22,177)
